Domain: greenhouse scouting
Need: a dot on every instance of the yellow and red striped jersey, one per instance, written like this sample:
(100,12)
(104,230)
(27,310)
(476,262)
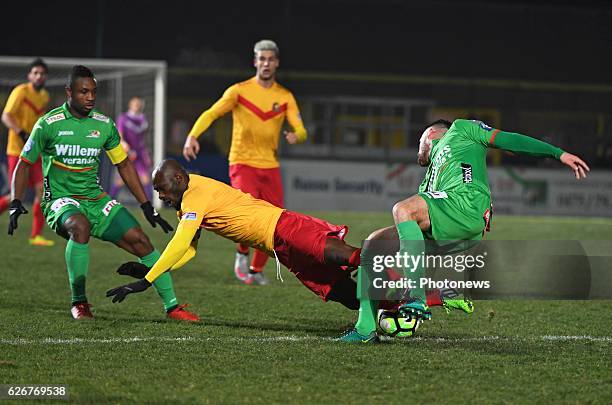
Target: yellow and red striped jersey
(25,104)
(258,114)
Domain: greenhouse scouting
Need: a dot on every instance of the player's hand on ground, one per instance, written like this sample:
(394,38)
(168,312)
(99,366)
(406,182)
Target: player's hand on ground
(154,218)
(15,210)
(191,148)
(120,293)
(291,137)
(577,165)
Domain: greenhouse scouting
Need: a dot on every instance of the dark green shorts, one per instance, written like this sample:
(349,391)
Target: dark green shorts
(108,219)
(456,215)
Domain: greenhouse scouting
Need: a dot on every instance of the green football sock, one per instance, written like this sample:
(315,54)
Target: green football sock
(163,285)
(77,264)
(412,243)
(366,323)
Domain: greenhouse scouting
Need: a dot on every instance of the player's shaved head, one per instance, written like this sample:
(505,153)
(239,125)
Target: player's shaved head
(433,131)
(170,180)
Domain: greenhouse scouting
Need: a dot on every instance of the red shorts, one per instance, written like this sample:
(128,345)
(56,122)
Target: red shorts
(265,184)
(35,175)
(299,242)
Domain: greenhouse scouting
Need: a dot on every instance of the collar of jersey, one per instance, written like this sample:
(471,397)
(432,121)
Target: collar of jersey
(69,114)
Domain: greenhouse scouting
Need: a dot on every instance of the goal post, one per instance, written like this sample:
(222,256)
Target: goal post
(118,81)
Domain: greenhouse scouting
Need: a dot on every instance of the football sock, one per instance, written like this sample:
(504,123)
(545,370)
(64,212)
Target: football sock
(433,298)
(355,259)
(77,264)
(412,243)
(163,285)
(244,249)
(38,220)
(4,203)
(366,323)
(259,260)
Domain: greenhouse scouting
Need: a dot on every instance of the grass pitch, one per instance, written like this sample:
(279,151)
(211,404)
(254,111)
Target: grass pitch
(271,344)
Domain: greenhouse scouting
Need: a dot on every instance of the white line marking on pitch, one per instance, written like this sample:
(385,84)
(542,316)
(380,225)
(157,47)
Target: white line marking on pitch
(136,339)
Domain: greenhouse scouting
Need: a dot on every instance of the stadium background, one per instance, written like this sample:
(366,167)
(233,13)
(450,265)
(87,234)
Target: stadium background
(368,75)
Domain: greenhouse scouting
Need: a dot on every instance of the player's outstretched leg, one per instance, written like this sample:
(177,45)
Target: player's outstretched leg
(134,240)
(411,218)
(77,262)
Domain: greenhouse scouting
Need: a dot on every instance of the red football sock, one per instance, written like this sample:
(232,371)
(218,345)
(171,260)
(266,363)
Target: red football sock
(259,261)
(244,249)
(355,258)
(4,203)
(433,298)
(38,220)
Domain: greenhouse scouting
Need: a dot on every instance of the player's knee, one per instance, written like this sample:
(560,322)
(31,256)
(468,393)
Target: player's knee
(78,227)
(404,210)
(136,236)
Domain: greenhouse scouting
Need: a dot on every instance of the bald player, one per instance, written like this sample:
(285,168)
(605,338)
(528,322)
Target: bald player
(259,108)
(312,249)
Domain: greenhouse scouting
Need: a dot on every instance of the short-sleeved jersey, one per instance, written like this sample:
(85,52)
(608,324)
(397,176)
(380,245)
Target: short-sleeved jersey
(25,104)
(228,212)
(459,159)
(70,148)
(258,114)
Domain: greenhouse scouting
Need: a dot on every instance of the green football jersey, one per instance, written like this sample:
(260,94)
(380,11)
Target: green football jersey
(70,148)
(459,159)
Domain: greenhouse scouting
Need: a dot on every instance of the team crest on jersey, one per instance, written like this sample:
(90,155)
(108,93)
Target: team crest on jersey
(100,117)
(55,118)
(276,107)
(93,134)
(483,125)
(28,145)
(190,216)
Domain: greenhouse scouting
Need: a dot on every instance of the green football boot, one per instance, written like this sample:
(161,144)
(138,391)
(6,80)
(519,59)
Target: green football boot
(461,304)
(416,308)
(352,336)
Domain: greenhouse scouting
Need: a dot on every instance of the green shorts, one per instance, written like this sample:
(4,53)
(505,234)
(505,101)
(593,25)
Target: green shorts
(456,215)
(108,219)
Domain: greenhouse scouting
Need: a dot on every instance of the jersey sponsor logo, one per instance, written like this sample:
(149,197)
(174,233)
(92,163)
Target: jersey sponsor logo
(65,133)
(62,202)
(436,194)
(100,117)
(190,216)
(466,168)
(77,154)
(93,134)
(55,118)
(109,206)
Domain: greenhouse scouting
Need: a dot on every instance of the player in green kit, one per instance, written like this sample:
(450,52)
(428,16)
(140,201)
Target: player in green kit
(70,140)
(453,203)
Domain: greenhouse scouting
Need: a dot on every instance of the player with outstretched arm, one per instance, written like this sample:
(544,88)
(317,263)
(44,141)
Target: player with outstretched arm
(453,203)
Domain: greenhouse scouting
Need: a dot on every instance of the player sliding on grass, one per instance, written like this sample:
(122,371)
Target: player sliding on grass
(453,202)
(70,140)
(309,247)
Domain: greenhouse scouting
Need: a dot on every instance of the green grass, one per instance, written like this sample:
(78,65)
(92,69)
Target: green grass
(261,345)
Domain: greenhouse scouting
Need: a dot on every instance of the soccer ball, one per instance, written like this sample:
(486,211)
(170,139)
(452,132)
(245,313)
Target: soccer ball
(392,323)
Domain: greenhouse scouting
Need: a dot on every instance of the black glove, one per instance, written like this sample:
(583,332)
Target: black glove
(23,135)
(154,218)
(15,209)
(120,293)
(133,269)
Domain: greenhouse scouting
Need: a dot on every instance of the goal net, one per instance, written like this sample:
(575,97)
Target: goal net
(118,81)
